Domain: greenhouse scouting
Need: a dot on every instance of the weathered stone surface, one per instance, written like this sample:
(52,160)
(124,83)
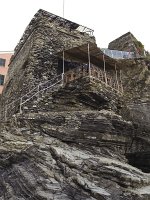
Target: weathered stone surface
(68,155)
(75,142)
(35,58)
(137,93)
(81,94)
(129,43)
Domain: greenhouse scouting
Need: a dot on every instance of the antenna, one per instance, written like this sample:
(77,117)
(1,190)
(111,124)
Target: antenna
(63,8)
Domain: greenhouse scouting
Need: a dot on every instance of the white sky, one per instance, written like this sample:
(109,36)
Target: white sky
(109,18)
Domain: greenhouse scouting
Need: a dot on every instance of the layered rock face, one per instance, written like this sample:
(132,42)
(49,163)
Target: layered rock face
(81,150)
(137,92)
(69,155)
(81,141)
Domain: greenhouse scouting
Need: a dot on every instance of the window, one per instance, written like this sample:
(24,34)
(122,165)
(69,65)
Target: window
(1,79)
(2,62)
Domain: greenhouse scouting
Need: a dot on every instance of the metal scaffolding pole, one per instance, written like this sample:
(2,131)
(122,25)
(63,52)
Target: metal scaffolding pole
(89,59)
(63,62)
(105,76)
(63,68)
(116,76)
(104,62)
(121,81)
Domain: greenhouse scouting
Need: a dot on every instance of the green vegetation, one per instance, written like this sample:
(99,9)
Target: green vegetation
(139,46)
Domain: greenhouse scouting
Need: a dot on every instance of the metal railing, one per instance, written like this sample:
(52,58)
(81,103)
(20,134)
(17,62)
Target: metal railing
(120,54)
(17,104)
(96,74)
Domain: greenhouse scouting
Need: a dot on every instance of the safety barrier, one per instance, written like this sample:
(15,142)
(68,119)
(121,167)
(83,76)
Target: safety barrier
(96,74)
(119,54)
(93,72)
(17,104)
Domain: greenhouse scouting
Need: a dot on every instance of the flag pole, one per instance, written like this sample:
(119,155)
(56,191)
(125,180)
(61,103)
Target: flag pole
(63,8)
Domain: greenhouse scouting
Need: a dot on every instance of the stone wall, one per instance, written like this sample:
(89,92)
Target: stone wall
(35,59)
(127,42)
(74,143)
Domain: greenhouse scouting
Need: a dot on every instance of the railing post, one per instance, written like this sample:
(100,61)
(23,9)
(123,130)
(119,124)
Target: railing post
(89,59)
(117,84)
(121,82)
(63,68)
(20,111)
(105,76)
(62,77)
(63,62)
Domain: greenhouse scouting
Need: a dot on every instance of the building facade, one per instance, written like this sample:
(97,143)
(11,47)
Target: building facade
(4,62)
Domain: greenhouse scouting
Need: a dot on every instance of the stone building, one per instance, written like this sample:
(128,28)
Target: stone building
(67,129)
(36,52)
(51,46)
(128,42)
(4,62)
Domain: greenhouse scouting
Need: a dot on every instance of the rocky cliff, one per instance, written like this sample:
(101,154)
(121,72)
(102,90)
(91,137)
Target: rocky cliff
(70,155)
(82,141)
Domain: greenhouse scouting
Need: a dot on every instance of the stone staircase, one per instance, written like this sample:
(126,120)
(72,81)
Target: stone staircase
(41,98)
(33,106)
(30,100)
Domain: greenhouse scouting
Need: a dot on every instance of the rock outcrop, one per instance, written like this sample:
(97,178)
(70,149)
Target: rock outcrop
(69,155)
(79,141)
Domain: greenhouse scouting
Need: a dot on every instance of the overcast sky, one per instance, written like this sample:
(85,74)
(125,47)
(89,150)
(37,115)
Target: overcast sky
(109,18)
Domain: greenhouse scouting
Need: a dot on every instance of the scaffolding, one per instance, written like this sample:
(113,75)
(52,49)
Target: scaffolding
(88,55)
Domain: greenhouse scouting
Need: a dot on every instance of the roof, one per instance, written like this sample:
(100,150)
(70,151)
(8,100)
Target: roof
(80,53)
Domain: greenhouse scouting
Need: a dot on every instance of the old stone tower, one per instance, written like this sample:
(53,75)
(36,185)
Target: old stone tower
(51,46)
(35,58)
(74,121)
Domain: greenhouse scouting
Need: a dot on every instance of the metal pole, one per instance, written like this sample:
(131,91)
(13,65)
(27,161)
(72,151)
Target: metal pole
(63,67)
(116,77)
(89,59)
(63,62)
(104,69)
(121,82)
(104,62)
(63,8)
